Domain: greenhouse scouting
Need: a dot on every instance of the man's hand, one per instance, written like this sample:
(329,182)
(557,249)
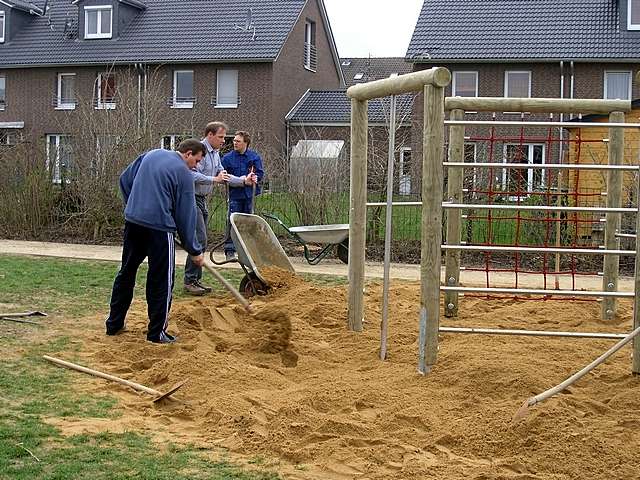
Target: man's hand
(251,179)
(198,260)
(222,177)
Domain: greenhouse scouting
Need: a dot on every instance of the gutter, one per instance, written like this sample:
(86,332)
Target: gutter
(437,61)
(133,61)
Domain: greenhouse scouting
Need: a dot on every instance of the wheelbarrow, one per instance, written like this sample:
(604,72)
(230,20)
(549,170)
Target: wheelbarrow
(257,248)
(329,236)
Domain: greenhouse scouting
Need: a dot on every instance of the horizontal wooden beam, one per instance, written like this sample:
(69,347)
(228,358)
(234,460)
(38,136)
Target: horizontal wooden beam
(543,105)
(410,82)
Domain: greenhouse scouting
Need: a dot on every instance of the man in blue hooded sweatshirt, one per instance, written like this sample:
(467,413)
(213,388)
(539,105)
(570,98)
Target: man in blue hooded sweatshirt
(158,192)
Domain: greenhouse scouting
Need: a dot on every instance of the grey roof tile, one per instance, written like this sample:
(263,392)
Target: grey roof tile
(333,106)
(522,29)
(166,31)
(372,68)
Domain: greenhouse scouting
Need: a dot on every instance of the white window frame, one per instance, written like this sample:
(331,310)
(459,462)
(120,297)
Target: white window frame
(3,22)
(3,105)
(404,177)
(100,34)
(530,171)
(176,103)
(173,144)
(57,177)
(100,105)
(454,83)
(59,104)
(607,72)
(474,178)
(227,105)
(309,46)
(506,82)
(631,26)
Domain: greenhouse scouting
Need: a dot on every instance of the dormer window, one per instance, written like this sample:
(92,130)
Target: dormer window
(2,28)
(633,15)
(98,21)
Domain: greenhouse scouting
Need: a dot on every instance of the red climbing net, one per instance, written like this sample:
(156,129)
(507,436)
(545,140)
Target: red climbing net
(529,186)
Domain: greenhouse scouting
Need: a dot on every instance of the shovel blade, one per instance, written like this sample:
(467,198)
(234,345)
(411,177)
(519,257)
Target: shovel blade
(169,392)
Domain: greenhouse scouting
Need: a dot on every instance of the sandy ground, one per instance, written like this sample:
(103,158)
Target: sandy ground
(373,270)
(291,383)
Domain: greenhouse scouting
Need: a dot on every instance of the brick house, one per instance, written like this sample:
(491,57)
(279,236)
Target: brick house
(325,116)
(533,48)
(242,62)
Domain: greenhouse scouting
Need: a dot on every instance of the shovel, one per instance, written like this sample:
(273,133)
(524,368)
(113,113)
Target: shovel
(230,288)
(530,402)
(136,386)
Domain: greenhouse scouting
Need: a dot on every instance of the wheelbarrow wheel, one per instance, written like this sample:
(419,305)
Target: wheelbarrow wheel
(343,251)
(251,285)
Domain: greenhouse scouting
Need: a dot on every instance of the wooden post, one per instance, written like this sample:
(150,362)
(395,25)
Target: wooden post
(454,217)
(357,213)
(432,186)
(636,301)
(613,220)
(541,105)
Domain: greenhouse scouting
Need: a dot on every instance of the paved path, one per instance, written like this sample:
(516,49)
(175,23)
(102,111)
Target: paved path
(374,270)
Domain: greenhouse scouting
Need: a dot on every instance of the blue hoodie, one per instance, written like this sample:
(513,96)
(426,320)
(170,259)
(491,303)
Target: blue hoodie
(158,193)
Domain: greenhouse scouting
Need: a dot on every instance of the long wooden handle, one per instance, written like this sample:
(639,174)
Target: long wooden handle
(243,301)
(577,376)
(106,376)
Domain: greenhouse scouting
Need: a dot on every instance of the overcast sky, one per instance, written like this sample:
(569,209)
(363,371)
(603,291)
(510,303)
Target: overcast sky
(379,28)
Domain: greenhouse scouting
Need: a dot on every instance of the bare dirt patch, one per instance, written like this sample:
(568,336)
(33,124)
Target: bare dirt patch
(292,383)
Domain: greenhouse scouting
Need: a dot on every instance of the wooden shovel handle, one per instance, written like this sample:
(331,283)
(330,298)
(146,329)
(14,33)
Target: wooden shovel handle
(230,288)
(106,376)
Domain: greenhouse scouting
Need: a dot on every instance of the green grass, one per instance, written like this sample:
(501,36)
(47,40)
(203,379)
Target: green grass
(32,390)
(72,287)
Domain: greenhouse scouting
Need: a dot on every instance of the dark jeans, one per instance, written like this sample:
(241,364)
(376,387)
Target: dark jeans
(192,272)
(141,242)
(235,206)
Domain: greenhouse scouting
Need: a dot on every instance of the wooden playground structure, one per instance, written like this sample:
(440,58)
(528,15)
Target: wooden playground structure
(432,83)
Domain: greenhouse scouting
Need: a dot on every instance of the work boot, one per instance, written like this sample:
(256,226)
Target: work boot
(194,289)
(230,256)
(206,289)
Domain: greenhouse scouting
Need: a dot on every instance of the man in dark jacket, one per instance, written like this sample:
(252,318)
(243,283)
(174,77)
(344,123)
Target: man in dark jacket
(158,192)
(247,165)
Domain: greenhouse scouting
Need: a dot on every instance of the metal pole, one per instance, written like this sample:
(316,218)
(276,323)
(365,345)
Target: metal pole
(540,208)
(636,303)
(387,230)
(506,248)
(543,166)
(530,333)
(532,291)
(506,123)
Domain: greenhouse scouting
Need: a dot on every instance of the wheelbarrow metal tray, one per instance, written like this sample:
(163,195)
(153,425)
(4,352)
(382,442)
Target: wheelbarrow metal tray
(333,234)
(257,245)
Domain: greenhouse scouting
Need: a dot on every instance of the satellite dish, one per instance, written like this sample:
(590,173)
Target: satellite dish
(248,24)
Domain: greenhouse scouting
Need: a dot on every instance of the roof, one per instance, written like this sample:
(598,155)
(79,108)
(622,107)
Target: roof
(166,31)
(459,30)
(334,107)
(369,69)
(22,5)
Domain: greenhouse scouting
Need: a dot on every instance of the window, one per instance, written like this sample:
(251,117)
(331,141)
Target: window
(66,95)
(106,91)
(59,157)
(183,89)
(310,54)
(98,21)
(517,84)
(2,26)
(465,84)
(358,76)
(404,174)
(633,16)
(3,92)
(227,89)
(617,85)
(171,142)
(518,181)
(8,138)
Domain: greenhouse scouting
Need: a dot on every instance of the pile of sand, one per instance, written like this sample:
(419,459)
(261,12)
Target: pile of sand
(292,383)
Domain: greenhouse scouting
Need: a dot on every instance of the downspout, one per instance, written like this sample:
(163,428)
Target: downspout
(572,83)
(561,131)
(138,67)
